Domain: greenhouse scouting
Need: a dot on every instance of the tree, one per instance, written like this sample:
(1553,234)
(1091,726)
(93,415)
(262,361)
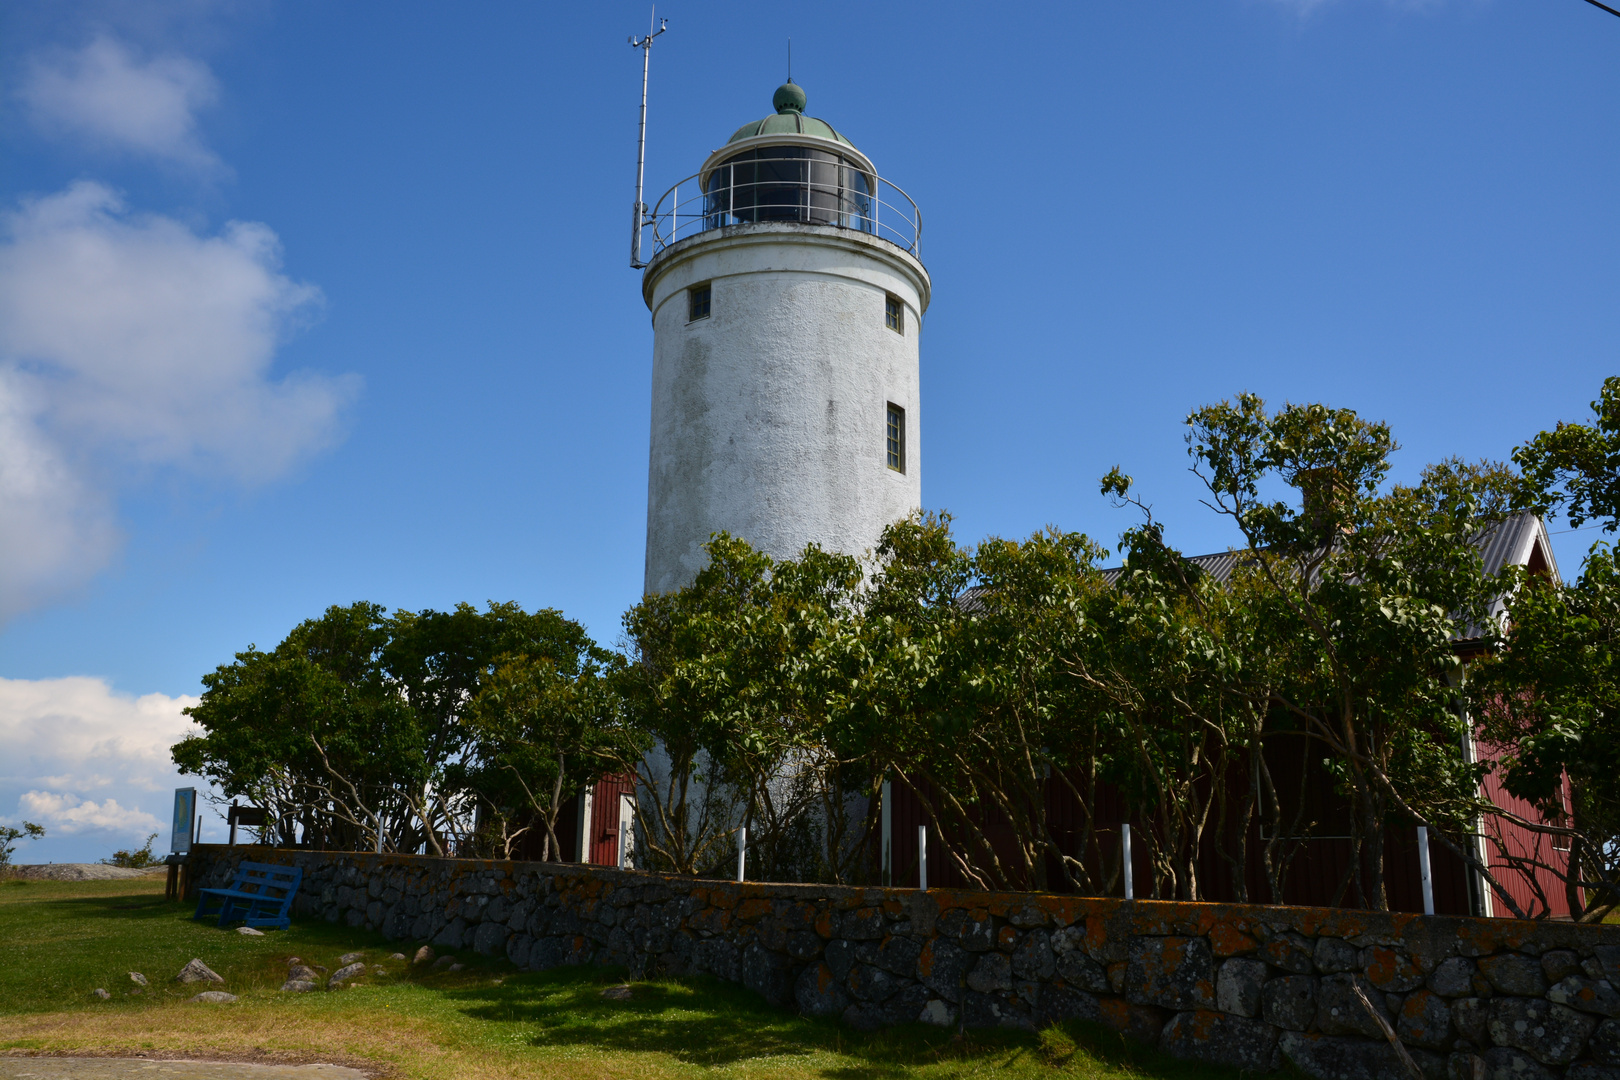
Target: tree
(1182,683)
(1575,468)
(437,662)
(1554,709)
(543,728)
(724,679)
(1366,591)
(136,859)
(353,728)
(951,682)
(1552,695)
(764,687)
(316,732)
(9,835)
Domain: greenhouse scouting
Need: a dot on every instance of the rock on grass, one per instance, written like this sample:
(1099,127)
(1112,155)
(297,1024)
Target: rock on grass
(98,992)
(298,986)
(137,978)
(197,971)
(424,955)
(348,971)
(215,997)
(351,957)
(249,931)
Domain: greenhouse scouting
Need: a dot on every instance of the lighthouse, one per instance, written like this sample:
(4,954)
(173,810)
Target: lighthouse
(787,298)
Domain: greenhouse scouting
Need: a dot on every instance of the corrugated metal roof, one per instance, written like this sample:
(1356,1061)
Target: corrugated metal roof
(1221,566)
(1508,544)
(1511,543)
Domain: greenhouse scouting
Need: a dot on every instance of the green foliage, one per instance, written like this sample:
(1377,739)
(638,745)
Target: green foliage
(1553,695)
(727,678)
(543,728)
(138,859)
(780,695)
(957,688)
(1555,712)
(1576,467)
(9,835)
(353,729)
(316,732)
(1360,593)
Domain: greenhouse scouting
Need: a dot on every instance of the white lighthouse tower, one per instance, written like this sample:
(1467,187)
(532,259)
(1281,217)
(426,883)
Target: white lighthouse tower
(787,297)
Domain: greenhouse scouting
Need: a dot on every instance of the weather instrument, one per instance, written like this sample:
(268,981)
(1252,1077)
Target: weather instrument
(640,219)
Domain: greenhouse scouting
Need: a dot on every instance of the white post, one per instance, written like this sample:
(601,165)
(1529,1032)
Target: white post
(1423,868)
(621,843)
(742,850)
(888,837)
(585,812)
(922,858)
(1125,855)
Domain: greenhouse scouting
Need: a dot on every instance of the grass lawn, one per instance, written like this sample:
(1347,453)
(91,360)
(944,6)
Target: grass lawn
(63,939)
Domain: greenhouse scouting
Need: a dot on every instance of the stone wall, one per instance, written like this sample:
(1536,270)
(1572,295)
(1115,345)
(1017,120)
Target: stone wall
(1240,985)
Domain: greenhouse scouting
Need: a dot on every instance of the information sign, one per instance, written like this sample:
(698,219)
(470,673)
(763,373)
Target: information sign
(185,812)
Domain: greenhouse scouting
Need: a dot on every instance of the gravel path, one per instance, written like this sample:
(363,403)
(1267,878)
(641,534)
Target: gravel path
(82,871)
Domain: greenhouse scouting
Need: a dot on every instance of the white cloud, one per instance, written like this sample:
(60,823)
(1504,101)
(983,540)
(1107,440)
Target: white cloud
(67,738)
(107,96)
(134,339)
(54,530)
(69,814)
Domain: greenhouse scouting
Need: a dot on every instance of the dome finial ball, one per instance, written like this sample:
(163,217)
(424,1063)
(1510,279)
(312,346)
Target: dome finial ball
(789,97)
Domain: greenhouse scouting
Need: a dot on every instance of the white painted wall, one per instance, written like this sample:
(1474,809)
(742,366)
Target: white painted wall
(768,417)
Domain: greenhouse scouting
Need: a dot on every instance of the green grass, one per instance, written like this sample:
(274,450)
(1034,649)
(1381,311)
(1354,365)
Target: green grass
(62,939)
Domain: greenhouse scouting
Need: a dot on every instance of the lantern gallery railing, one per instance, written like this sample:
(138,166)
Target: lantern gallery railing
(786,189)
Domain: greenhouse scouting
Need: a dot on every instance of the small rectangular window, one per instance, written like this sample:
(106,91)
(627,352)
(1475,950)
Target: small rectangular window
(697,302)
(894,314)
(896,437)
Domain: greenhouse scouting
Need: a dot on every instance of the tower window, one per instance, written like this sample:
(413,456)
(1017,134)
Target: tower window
(896,438)
(697,302)
(894,314)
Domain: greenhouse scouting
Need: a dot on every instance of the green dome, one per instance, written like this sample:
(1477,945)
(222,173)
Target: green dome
(789,119)
(789,97)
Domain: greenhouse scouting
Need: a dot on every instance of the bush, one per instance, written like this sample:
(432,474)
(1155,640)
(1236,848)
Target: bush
(9,837)
(135,860)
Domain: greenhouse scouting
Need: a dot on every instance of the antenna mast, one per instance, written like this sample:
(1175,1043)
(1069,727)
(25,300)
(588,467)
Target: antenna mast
(645,45)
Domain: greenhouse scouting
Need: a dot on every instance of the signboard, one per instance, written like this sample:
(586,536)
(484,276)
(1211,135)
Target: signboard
(253,816)
(185,812)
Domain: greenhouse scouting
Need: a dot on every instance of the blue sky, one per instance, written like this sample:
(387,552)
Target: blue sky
(307,304)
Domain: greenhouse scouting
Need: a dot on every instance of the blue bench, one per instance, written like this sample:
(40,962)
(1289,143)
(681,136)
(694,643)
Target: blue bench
(260,895)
